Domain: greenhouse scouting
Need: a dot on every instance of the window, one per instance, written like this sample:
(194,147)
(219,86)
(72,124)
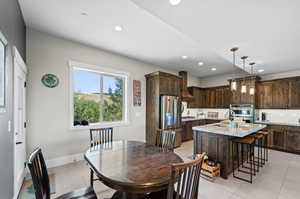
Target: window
(98,97)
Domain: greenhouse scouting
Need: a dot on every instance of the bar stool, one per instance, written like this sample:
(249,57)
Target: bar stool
(259,143)
(249,142)
(265,146)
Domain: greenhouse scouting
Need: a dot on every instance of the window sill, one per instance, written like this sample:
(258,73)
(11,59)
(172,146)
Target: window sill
(101,125)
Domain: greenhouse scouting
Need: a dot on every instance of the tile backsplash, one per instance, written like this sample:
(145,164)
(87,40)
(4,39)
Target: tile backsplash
(223,113)
(279,115)
(272,115)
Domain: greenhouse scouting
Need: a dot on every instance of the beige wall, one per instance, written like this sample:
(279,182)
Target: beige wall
(48,109)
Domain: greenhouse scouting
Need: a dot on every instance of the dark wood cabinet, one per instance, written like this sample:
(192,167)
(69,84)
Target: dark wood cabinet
(187,127)
(212,121)
(294,93)
(169,85)
(284,138)
(222,97)
(226,97)
(237,97)
(157,84)
(280,94)
(271,94)
(278,135)
(293,139)
(198,99)
(187,132)
(210,98)
(264,95)
(215,97)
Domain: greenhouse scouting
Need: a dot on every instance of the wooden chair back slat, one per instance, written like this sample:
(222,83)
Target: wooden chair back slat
(100,136)
(185,178)
(165,139)
(39,174)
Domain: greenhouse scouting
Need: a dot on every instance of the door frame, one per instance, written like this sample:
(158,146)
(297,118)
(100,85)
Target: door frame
(18,64)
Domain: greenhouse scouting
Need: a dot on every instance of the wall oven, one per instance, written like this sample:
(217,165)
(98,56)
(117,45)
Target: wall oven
(243,112)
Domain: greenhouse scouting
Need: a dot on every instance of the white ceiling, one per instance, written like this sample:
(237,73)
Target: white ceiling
(158,33)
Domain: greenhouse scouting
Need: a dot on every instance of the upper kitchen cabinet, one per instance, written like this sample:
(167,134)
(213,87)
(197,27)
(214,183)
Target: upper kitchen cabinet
(169,84)
(185,94)
(237,97)
(215,97)
(280,94)
(294,96)
(198,100)
(222,97)
(264,95)
(210,98)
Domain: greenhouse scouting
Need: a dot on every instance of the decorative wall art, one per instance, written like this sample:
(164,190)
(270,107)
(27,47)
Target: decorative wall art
(3,45)
(50,80)
(137,101)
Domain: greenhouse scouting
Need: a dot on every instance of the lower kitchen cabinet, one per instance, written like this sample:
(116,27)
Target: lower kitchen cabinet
(284,138)
(293,139)
(278,137)
(187,127)
(187,132)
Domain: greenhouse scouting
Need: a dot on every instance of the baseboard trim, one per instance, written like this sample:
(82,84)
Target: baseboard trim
(64,160)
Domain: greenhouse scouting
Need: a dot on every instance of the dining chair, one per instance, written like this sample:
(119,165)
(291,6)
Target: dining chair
(184,182)
(99,136)
(165,139)
(40,179)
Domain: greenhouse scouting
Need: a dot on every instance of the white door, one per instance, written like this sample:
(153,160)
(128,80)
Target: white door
(19,121)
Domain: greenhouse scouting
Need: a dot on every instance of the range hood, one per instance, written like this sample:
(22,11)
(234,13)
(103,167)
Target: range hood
(185,94)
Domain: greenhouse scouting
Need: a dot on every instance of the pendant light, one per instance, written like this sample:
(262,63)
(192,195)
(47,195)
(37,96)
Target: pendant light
(233,81)
(252,88)
(244,87)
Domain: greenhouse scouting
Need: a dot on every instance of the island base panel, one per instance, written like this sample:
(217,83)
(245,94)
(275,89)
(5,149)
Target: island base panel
(218,147)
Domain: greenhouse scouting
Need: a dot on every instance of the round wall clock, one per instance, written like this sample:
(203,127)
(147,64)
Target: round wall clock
(50,80)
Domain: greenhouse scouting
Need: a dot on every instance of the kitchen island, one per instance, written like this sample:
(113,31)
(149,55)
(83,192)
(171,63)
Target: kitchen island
(215,140)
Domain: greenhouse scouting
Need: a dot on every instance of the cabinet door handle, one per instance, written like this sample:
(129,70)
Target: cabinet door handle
(18,143)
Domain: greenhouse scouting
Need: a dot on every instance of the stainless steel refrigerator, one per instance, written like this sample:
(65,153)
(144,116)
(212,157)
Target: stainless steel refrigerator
(170,112)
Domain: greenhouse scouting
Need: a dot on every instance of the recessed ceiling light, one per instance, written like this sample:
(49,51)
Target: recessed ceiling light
(184,57)
(84,14)
(213,69)
(200,63)
(118,28)
(261,70)
(174,2)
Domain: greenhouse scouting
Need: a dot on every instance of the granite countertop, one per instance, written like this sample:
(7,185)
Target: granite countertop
(224,129)
(277,123)
(202,118)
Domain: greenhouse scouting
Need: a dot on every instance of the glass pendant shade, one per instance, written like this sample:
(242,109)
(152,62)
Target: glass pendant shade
(252,88)
(244,89)
(233,86)
(252,91)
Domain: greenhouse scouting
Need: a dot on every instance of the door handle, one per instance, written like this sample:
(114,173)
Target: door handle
(19,143)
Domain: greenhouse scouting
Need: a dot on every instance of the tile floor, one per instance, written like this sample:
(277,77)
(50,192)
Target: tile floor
(279,179)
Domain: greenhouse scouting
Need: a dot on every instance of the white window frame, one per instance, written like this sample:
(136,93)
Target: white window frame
(105,71)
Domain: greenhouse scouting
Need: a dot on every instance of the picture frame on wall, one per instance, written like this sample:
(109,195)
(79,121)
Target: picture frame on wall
(137,101)
(3,46)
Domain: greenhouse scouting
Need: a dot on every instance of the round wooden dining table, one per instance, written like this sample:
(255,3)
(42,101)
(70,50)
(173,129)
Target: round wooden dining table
(131,168)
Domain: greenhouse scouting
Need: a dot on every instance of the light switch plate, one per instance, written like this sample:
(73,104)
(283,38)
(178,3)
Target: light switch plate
(9,126)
